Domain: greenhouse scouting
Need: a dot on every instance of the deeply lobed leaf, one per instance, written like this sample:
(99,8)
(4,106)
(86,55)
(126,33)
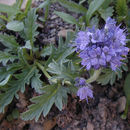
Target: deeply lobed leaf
(43,103)
(15,85)
(30,26)
(94,6)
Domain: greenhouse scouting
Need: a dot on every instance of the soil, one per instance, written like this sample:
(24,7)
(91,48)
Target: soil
(101,113)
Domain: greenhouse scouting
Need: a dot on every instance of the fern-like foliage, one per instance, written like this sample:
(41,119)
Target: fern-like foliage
(9,41)
(65,72)
(14,85)
(22,67)
(109,76)
(53,94)
(30,26)
(5,57)
(17,72)
(36,83)
(61,52)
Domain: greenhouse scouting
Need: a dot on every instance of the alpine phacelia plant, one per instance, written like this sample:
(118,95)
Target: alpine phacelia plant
(102,51)
(51,70)
(101,48)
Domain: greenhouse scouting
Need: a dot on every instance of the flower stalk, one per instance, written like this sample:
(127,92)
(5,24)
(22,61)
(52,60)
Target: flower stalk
(95,76)
(43,70)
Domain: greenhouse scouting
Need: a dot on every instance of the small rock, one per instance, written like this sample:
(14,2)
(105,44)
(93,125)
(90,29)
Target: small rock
(121,104)
(63,32)
(40,24)
(53,30)
(51,40)
(90,126)
(102,111)
(54,17)
(36,126)
(49,124)
(51,25)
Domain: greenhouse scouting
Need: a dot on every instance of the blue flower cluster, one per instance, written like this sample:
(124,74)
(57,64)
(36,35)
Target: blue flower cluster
(102,47)
(85,89)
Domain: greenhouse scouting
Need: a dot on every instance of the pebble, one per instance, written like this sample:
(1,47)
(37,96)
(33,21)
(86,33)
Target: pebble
(36,126)
(121,104)
(54,17)
(89,126)
(63,32)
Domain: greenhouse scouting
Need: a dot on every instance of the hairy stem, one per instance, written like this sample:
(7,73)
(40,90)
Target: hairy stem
(43,70)
(95,76)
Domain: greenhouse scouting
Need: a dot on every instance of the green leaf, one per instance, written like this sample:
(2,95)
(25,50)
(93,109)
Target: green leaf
(105,13)
(30,26)
(94,6)
(11,11)
(43,103)
(9,41)
(25,77)
(4,18)
(8,9)
(28,7)
(66,17)
(14,86)
(5,57)
(27,45)
(62,71)
(109,76)
(15,26)
(36,83)
(5,81)
(72,6)
(127,88)
(46,51)
(82,1)
(107,3)
(44,4)
(63,51)
(94,21)
(106,77)
(4,73)
(121,8)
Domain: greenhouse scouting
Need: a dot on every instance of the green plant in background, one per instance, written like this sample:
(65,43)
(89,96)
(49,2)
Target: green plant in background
(121,10)
(88,17)
(14,14)
(45,5)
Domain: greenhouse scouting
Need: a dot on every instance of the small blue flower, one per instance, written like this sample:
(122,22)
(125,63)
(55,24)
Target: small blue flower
(84,91)
(102,47)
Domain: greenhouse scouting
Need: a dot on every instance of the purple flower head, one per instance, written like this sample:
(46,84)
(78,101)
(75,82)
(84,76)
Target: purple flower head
(85,89)
(84,93)
(102,47)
